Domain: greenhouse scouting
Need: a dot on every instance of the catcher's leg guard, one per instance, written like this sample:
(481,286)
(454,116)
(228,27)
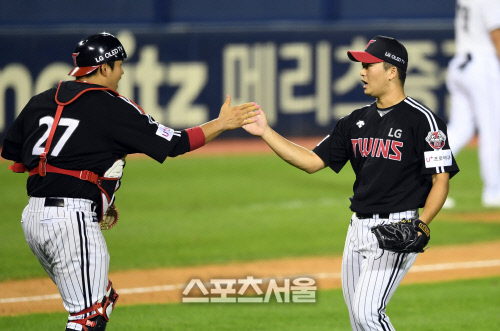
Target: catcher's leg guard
(99,312)
(96,323)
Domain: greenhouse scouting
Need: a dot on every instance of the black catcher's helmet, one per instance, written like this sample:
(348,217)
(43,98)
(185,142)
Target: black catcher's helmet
(94,51)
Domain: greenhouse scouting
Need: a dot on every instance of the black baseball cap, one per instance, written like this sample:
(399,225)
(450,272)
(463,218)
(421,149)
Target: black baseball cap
(382,49)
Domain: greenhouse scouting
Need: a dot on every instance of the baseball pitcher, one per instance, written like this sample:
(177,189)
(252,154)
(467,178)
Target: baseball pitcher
(399,152)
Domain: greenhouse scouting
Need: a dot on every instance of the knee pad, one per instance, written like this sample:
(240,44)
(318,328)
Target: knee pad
(99,312)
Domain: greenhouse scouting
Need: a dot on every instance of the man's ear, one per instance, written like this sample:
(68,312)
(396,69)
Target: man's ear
(393,73)
(104,69)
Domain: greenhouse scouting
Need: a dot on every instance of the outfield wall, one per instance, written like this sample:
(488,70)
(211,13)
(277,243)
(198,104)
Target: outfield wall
(22,12)
(300,74)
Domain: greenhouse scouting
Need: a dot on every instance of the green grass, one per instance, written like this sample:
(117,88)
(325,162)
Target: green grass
(449,306)
(203,210)
(466,187)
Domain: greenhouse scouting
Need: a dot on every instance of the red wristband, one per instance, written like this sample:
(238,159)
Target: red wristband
(196,137)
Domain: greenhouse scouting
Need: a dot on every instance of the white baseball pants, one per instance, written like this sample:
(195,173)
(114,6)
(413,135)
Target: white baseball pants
(370,275)
(474,87)
(71,248)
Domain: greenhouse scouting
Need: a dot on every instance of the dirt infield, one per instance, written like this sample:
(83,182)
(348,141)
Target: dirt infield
(166,285)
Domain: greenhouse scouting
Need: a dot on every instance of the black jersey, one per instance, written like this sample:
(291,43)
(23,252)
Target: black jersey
(393,156)
(94,131)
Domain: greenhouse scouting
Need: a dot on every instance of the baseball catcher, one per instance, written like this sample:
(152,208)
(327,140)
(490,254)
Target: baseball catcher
(73,140)
(406,236)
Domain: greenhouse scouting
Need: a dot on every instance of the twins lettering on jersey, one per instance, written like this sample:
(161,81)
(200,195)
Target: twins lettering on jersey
(377,147)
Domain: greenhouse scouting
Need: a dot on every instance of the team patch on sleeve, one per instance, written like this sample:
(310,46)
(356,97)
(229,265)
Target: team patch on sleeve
(165,132)
(438,158)
(436,139)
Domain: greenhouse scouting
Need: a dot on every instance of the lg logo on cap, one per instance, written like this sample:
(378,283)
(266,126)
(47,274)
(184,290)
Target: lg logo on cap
(109,54)
(394,57)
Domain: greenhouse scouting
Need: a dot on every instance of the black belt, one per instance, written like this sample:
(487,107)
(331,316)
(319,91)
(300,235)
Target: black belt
(381,215)
(54,202)
(466,62)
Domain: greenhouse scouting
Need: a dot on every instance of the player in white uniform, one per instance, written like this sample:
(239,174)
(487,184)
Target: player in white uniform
(474,85)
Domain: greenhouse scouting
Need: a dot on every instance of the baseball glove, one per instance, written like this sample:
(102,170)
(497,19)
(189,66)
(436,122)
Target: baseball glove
(110,218)
(403,236)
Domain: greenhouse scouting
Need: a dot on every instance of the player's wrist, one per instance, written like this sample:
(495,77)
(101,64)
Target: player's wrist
(267,133)
(426,221)
(220,124)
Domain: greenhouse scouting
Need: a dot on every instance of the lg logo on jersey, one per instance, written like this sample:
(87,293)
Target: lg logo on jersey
(396,134)
(378,147)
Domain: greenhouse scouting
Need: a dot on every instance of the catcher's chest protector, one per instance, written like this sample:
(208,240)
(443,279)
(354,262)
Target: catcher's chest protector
(106,185)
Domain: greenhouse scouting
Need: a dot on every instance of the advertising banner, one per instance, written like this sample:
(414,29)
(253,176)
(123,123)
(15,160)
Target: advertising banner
(301,76)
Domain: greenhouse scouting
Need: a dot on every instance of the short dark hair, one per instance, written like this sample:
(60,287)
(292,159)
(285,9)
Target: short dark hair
(401,73)
(110,63)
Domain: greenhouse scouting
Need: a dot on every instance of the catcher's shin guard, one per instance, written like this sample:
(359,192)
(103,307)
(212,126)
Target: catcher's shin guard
(99,312)
(96,323)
